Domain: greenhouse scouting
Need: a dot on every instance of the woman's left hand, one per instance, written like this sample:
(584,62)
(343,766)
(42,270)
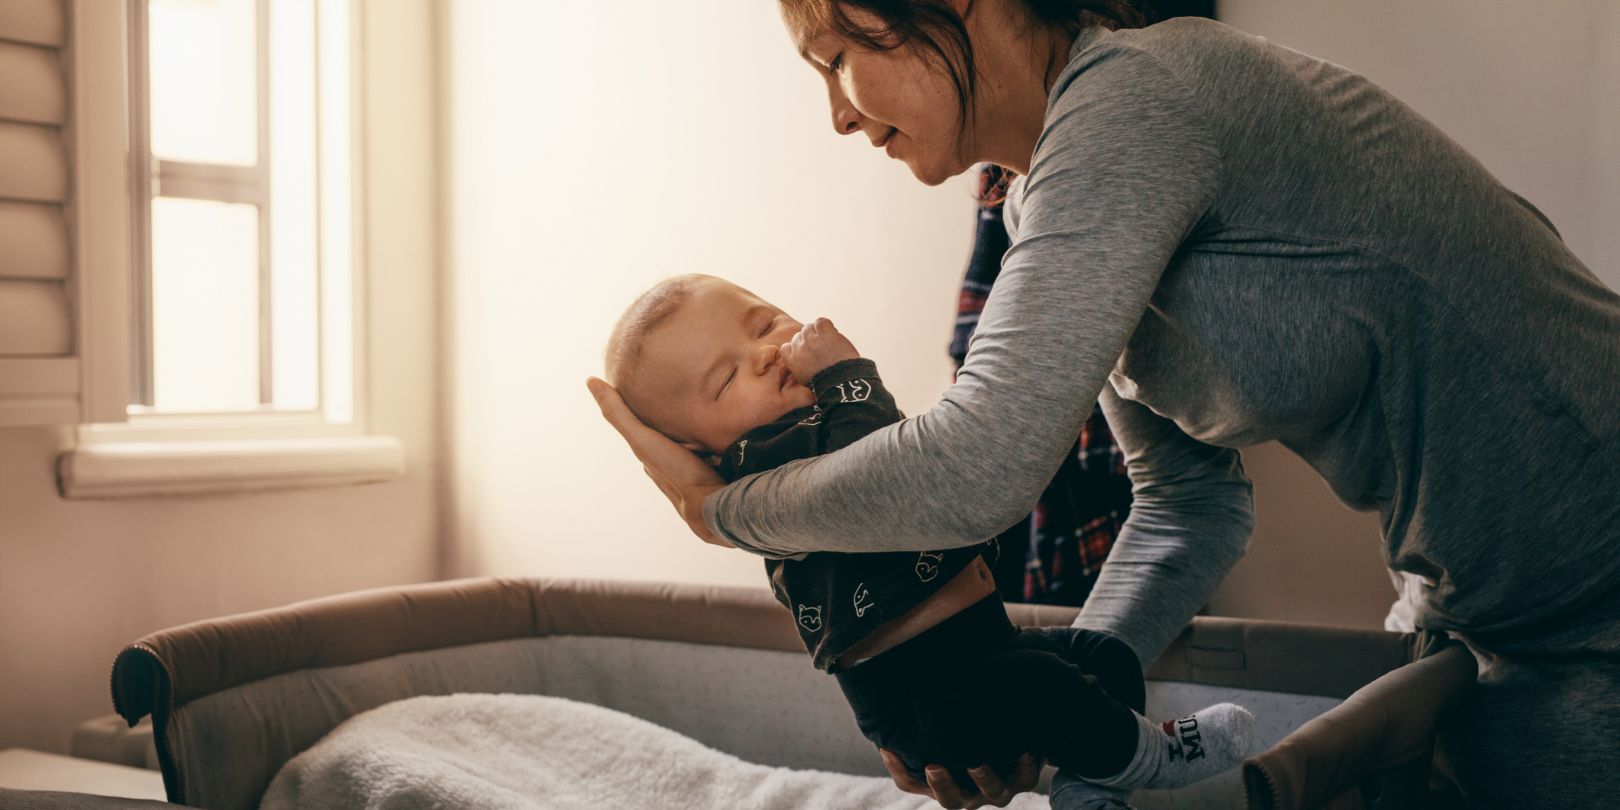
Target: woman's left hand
(992,791)
(683,477)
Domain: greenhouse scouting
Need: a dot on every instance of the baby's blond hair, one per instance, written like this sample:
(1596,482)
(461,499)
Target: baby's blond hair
(627,342)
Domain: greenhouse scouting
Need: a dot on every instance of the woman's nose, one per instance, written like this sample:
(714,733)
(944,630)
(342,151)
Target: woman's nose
(845,118)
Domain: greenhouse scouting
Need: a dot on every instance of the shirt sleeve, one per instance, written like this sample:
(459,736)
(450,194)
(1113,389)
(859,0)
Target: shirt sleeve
(1122,175)
(1192,514)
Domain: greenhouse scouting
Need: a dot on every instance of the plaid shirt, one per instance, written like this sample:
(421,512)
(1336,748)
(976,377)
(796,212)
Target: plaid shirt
(1063,543)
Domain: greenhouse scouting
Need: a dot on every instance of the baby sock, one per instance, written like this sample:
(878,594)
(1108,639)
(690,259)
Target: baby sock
(1181,752)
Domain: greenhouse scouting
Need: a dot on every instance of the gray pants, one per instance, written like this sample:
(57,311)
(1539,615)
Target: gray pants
(1542,726)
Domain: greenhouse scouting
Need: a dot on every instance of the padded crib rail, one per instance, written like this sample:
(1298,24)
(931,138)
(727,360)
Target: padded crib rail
(165,671)
(170,668)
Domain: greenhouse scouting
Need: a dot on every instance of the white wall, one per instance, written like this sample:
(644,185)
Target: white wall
(594,148)
(598,147)
(80,579)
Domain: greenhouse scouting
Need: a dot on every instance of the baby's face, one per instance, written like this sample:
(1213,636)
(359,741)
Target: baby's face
(715,370)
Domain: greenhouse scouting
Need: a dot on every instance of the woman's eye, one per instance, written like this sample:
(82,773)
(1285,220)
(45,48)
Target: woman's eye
(768,325)
(836,63)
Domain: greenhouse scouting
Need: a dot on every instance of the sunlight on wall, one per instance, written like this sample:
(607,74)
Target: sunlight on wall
(594,150)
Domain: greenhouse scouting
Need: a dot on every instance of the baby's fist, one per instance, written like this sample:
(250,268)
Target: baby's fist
(818,345)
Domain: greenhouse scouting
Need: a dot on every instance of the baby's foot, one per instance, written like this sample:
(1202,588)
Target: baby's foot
(1180,752)
(1202,744)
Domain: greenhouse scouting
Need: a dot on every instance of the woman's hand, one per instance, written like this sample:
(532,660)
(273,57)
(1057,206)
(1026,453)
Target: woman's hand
(683,477)
(943,789)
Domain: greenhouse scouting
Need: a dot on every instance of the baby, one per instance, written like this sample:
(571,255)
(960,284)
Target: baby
(920,643)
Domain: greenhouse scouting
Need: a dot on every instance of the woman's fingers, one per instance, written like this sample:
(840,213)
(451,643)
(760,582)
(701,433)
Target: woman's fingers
(640,437)
(992,790)
(902,777)
(946,791)
(990,786)
(683,477)
(678,465)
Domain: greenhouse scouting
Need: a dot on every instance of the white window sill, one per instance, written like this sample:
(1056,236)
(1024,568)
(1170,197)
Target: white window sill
(152,468)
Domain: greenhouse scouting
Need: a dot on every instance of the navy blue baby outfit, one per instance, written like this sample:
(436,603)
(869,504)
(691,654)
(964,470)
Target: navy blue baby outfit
(839,599)
(972,690)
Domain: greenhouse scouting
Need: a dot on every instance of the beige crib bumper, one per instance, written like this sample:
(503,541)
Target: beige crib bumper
(222,666)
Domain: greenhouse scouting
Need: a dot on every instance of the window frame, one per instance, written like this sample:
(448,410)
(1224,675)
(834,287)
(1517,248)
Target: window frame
(113,453)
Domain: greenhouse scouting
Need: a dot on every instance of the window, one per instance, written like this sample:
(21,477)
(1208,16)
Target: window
(245,272)
(242,140)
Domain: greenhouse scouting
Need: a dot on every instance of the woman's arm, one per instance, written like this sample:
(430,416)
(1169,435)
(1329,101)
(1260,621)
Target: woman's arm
(1124,172)
(1192,512)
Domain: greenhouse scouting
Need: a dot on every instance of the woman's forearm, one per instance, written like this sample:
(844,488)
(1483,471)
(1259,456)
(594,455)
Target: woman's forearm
(1108,201)
(1192,514)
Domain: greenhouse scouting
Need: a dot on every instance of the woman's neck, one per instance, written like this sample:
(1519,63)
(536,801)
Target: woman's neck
(1019,63)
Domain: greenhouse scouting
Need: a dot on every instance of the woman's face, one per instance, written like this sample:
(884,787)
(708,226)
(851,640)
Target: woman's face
(898,99)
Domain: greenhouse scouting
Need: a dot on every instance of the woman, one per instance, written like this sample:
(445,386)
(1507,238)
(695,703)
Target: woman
(1226,242)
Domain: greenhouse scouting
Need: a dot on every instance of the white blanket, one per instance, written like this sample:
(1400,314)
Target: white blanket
(479,751)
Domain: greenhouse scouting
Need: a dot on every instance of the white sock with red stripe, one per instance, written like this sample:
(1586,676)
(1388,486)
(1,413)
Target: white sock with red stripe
(1180,752)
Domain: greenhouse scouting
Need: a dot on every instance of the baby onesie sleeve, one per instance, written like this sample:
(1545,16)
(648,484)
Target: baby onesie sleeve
(852,401)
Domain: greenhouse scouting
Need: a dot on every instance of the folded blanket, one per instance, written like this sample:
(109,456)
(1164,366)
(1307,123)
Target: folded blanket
(527,751)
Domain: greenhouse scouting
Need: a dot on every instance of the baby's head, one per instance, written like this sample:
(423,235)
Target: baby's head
(696,358)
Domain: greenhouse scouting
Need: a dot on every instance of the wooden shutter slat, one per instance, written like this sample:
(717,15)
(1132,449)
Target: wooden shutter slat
(33,163)
(32,88)
(40,22)
(34,319)
(33,241)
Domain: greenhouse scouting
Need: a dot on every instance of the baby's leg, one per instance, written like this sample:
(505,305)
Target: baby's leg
(1173,754)
(989,709)
(1102,655)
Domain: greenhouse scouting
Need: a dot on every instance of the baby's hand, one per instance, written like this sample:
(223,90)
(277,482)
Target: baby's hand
(818,345)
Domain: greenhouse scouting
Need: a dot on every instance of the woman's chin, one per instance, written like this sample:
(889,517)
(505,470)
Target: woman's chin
(930,174)
(928,177)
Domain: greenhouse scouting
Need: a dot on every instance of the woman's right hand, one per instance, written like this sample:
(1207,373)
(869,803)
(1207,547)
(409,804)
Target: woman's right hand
(993,792)
(683,477)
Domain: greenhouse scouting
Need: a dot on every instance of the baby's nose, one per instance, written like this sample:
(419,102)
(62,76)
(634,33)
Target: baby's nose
(767,356)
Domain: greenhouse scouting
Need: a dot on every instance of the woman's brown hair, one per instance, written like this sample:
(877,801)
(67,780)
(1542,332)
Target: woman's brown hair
(940,33)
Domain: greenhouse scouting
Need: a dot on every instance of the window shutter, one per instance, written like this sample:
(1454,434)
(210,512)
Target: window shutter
(34,318)
(61,161)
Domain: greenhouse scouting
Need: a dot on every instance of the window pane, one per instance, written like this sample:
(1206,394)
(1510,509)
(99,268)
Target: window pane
(205,305)
(204,58)
(337,206)
(293,253)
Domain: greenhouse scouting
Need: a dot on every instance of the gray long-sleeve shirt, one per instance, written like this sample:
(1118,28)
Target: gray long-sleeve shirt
(1233,243)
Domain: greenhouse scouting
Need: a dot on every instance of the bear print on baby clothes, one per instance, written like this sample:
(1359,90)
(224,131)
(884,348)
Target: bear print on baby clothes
(810,618)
